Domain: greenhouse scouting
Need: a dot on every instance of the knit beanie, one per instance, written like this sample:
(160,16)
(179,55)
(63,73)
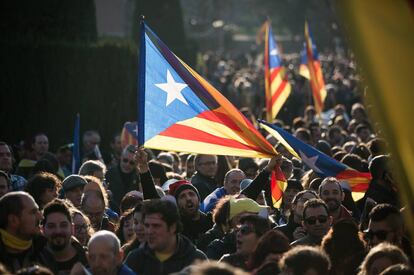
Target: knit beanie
(177,187)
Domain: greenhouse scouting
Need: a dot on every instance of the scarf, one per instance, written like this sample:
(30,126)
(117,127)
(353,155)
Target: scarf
(14,242)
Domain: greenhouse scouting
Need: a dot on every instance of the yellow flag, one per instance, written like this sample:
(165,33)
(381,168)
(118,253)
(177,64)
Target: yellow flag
(382,35)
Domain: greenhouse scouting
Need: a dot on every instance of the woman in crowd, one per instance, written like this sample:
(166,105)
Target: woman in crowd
(43,187)
(380,257)
(125,231)
(83,228)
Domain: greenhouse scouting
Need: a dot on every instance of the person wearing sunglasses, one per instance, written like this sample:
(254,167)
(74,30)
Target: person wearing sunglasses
(124,177)
(248,233)
(386,225)
(316,221)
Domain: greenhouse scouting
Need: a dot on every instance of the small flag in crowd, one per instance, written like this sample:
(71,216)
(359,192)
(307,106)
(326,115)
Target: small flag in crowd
(278,184)
(76,147)
(277,87)
(129,134)
(320,163)
(311,69)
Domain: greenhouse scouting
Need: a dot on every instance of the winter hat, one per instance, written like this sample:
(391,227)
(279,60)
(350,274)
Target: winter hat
(177,187)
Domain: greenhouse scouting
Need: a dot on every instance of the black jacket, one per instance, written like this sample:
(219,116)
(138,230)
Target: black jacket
(144,262)
(120,184)
(204,185)
(214,233)
(29,258)
(51,263)
(195,229)
(260,182)
(226,245)
(288,228)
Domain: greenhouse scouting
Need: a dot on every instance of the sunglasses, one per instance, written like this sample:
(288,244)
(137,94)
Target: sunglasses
(380,234)
(320,219)
(245,229)
(131,162)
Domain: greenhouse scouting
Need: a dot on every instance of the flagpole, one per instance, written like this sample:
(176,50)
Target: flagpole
(141,85)
(75,148)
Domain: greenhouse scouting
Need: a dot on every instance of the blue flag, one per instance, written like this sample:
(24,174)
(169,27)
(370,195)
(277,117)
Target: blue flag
(322,164)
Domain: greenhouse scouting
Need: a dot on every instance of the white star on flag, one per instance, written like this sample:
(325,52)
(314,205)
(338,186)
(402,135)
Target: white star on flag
(273,52)
(310,161)
(173,89)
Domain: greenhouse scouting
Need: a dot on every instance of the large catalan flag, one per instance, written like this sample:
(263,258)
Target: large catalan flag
(311,69)
(277,86)
(181,111)
(320,163)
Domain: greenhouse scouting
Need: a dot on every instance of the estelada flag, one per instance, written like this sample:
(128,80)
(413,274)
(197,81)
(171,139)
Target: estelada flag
(181,111)
(129,134)
(320,163)
(277,86)
(311,69)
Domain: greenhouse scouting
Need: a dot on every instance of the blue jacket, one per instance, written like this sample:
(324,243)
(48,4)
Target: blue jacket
(210,201)
(125,270)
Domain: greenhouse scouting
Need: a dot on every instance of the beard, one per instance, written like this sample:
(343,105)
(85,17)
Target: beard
(333,204)
(58,242)
(189,209)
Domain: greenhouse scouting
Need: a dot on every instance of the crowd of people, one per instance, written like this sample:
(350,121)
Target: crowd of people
(139,211)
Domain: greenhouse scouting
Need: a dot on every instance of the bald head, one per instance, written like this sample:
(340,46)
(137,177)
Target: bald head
(104,253)
(105,237)
(232,181)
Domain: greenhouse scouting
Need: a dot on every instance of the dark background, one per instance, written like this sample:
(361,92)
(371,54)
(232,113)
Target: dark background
(54,64)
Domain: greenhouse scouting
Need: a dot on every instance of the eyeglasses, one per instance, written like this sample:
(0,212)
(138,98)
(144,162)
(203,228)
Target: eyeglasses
(320,219)
(380,234)
(245,229)
(131,162)
(207,163)
(81,227)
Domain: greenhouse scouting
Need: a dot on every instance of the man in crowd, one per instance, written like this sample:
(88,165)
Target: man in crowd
(331,192)
(20,242)
(166,250)
(316,221)
(386,224)
(90,151)
(383,188)
(4,183)
(203,179)
(17,183)
(195,222)
(116,150)
(105,255)
(93,205)
(231,186)
(40,146)
(62,251)
(73,189)
(293,230)
(124,177)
